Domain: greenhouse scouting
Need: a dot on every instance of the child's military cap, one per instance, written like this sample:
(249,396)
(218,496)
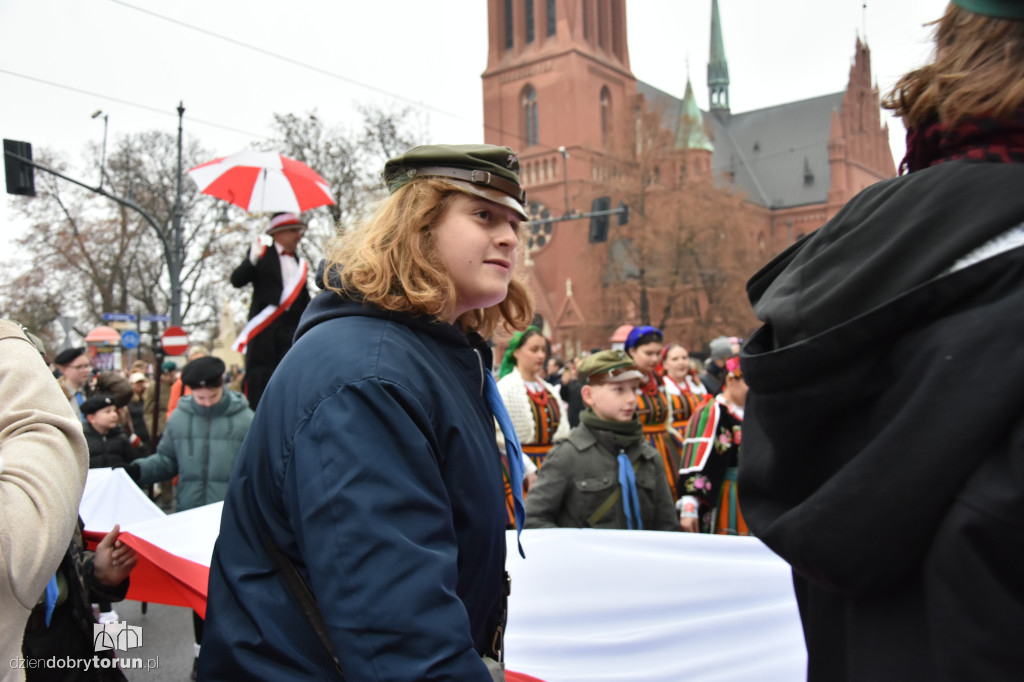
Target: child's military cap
(486,170)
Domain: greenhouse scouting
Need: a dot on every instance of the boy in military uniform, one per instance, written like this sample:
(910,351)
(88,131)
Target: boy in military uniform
(605,475)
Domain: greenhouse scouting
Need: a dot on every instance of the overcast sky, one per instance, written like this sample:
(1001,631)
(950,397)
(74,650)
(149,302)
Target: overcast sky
(61,60)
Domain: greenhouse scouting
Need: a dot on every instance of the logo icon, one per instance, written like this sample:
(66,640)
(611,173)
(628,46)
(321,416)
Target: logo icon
(117,635)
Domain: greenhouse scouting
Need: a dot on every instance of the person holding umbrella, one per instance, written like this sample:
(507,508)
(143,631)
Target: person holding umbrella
(363,533)
(278,277)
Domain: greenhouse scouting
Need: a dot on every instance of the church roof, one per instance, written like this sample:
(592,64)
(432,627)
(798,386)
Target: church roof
(778,156)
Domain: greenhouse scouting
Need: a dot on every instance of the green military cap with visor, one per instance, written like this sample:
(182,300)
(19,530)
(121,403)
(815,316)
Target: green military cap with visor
(608,366)
(486,170)
(1004,9)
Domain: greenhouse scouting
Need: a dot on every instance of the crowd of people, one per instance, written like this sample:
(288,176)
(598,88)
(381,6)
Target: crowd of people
(367,498)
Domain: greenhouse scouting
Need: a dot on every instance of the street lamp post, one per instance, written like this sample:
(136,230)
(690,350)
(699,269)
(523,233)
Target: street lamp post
(103,155)
(178,257)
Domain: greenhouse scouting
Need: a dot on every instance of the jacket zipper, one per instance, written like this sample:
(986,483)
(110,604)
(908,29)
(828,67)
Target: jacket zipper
(483,377)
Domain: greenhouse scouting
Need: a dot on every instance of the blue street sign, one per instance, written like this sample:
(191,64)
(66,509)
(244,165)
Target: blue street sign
(129,339)
(119,317)
(146,317)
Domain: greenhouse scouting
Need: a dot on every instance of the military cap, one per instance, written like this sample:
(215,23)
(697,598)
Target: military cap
(97,403)
(206,372)
(285,221)
(1004,9)
(485,170)
(168,366)
(608,366)
(66,357)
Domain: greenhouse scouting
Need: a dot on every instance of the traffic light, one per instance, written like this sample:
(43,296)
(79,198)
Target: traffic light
(21,178)
(623,213)
(599,223)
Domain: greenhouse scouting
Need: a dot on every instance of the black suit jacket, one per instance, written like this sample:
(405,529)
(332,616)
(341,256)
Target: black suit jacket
(267,285)
(266,281)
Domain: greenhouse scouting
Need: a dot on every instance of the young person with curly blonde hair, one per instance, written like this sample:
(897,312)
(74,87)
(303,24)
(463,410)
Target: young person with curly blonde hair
(364,530)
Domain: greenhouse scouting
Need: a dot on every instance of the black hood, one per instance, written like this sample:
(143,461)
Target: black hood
(857,377)
(894,236)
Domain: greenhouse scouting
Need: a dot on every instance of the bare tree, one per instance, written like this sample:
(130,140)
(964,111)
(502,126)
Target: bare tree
(108,258)
(683,260)
(350,161)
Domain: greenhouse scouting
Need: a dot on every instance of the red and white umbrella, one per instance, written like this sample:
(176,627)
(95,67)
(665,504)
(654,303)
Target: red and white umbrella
(262,182)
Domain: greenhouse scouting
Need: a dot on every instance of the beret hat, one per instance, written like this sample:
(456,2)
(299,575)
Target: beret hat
(205,372)
(67,356)
(96,403)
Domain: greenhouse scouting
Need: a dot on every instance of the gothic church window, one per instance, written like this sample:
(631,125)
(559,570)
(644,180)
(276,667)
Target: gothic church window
(509,26)
(529,21)
(606,115)
(551,17)
(531,134)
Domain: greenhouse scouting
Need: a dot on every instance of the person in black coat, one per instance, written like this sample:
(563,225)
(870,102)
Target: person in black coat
(279,298)
(898,498)
(109,445)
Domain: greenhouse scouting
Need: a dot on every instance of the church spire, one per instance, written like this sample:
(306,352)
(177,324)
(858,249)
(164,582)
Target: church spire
(690,133)
(718,68)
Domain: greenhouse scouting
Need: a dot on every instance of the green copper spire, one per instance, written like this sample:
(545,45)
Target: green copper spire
(690,133)
(718,67)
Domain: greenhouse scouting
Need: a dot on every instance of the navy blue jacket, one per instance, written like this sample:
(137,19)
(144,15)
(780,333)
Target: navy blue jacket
(371,464)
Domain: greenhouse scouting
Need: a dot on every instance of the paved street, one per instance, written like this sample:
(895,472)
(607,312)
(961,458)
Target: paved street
(166,638)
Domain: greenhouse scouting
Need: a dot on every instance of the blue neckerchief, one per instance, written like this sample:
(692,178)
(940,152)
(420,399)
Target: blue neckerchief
(514,451)
(51,597)
(630,498)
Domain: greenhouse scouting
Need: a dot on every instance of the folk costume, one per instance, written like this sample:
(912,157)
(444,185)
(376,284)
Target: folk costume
(684,400)
(707,475)
(537,412)
(904,523)
(279,297)
(654,412)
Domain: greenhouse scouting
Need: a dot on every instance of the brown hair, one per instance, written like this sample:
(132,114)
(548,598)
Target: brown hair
(392,262)
(977,68)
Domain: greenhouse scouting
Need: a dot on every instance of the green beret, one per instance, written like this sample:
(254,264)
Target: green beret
(486,170)
(608,366)
(1004,9)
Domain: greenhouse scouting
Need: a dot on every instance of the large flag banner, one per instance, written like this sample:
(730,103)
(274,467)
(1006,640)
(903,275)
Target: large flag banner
(586,605)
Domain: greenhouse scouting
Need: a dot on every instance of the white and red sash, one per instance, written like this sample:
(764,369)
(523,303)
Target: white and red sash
(263,319)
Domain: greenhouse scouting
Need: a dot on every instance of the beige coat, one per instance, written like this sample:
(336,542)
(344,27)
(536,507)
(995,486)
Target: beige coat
(43,462)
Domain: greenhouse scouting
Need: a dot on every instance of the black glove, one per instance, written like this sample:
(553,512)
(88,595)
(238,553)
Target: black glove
(133,470)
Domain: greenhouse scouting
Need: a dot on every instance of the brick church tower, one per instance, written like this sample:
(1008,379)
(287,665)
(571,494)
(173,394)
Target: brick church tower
(558,88)
(557,76)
